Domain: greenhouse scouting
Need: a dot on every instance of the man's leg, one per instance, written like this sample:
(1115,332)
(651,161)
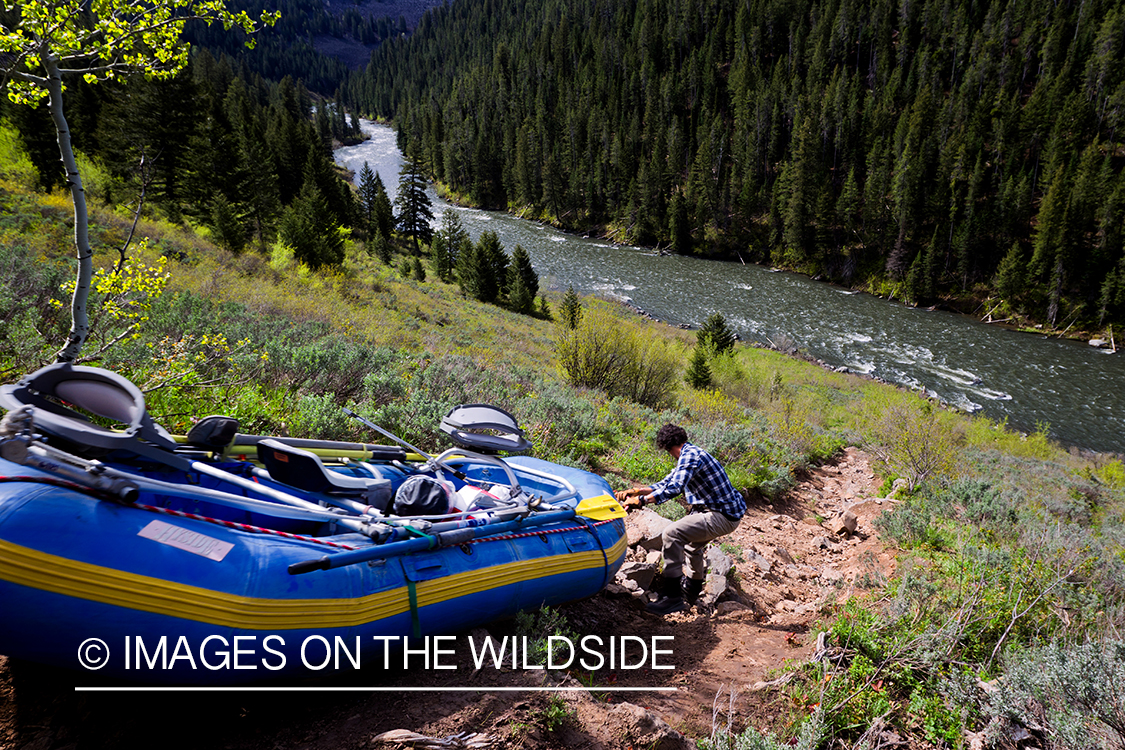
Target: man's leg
(688,535)
(708,527)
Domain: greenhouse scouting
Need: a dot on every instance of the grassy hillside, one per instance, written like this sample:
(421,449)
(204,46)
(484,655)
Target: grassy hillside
(1011,548)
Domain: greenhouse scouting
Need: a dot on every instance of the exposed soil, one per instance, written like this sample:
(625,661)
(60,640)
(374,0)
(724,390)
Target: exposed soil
(721,655)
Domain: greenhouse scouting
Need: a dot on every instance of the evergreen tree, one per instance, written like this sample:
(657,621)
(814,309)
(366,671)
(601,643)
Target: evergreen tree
(367,192)
(308,227)
(380,247)
(450,243)
(382,216)
(439,257)
(1010,275)
(698,374)
(570,311)
(485,269)
(523,282)
(715,334)
(419,272)
(228,229)
(414,208)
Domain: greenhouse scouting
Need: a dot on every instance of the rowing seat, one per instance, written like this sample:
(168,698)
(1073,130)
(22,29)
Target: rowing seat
(484,428)
(305,471)
(63,395)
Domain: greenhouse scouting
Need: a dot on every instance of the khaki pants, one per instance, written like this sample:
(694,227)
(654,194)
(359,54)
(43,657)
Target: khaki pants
(689,537)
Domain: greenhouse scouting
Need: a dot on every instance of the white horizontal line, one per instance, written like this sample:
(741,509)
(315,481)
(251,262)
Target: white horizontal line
(336,689)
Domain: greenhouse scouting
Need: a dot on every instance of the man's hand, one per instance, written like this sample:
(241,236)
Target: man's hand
(631,499)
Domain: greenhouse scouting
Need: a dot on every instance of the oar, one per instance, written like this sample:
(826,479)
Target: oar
(404,444)
(451,538)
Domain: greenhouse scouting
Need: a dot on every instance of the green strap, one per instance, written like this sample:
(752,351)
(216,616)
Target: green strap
(412,592)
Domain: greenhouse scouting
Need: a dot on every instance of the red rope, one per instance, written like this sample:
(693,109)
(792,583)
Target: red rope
(182,514)
(242,526)
(275,532)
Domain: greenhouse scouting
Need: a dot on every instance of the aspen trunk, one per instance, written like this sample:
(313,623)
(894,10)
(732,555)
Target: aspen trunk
(80,324)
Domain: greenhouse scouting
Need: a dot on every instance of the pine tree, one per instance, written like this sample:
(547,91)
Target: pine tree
(450,242)
(698,374)
(367,196)
(715,334)
(486,270)
(419,271)
(440,258)
(570,311)
(382,216)
(381,248)
(414,208)
(228,230)
(308,227)
(523,282)
(1010,276)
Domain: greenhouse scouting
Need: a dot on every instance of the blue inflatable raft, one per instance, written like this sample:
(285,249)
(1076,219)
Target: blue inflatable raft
(226,558)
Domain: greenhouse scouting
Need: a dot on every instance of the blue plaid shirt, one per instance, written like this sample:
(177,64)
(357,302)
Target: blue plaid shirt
(704,483)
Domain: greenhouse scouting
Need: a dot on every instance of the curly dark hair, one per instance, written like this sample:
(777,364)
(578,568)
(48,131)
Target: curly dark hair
(669,436)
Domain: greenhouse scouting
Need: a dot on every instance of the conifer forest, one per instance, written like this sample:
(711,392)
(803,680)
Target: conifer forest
(941,148)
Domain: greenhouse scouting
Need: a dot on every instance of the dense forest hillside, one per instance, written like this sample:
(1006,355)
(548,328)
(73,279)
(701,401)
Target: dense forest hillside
(317,41)
(217,146)
(926,148)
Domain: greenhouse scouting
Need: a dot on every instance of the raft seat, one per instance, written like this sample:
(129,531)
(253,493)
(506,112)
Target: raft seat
(305,471)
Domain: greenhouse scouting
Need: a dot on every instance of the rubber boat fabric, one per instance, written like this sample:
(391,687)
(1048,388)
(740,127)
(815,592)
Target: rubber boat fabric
(203,543)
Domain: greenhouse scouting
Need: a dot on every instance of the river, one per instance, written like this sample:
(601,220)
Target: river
(1030,380)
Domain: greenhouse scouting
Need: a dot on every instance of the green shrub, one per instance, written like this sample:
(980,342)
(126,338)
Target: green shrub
(1074,692)
(612,355)
(913,441)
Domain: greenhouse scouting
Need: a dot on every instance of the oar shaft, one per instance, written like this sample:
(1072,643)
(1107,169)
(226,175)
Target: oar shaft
(442,539)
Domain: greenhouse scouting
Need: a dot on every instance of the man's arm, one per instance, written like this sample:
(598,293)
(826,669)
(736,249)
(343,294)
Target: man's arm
(634,498)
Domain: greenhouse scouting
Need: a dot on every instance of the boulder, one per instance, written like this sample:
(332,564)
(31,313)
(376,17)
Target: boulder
(783,555)
(719,565)
(639,727)
(645,529)
(640,574)
(844,525)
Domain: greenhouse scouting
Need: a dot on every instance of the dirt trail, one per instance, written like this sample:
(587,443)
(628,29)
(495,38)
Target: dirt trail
(788,570)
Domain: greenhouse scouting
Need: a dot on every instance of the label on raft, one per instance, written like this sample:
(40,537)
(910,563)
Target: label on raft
(189,541)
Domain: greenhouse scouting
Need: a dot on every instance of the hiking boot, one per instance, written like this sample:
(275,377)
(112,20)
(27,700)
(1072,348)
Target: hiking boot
(692,588)
(667,604)
(663,585)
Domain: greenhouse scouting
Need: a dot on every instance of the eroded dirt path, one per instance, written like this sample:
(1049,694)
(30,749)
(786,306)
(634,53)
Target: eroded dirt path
(788,571)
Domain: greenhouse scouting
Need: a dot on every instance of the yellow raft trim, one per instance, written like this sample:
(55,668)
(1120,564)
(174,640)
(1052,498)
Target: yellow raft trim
(60,575)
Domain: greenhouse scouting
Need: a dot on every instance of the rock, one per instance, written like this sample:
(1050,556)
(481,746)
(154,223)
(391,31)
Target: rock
(719,565)
(787,604)
(821,542)
(646,529)
(639,727)
(1099,343)
(763,564)
(810,520)
(844,525)
(727,607)
(783,555)
(830,575)
(899,484)
(639,573)
(617,589)
(654,557)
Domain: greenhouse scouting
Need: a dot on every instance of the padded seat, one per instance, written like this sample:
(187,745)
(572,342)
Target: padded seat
(485,429)
(305,471)
(53,390)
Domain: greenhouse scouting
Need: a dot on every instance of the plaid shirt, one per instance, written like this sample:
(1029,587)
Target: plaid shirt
(704,483)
